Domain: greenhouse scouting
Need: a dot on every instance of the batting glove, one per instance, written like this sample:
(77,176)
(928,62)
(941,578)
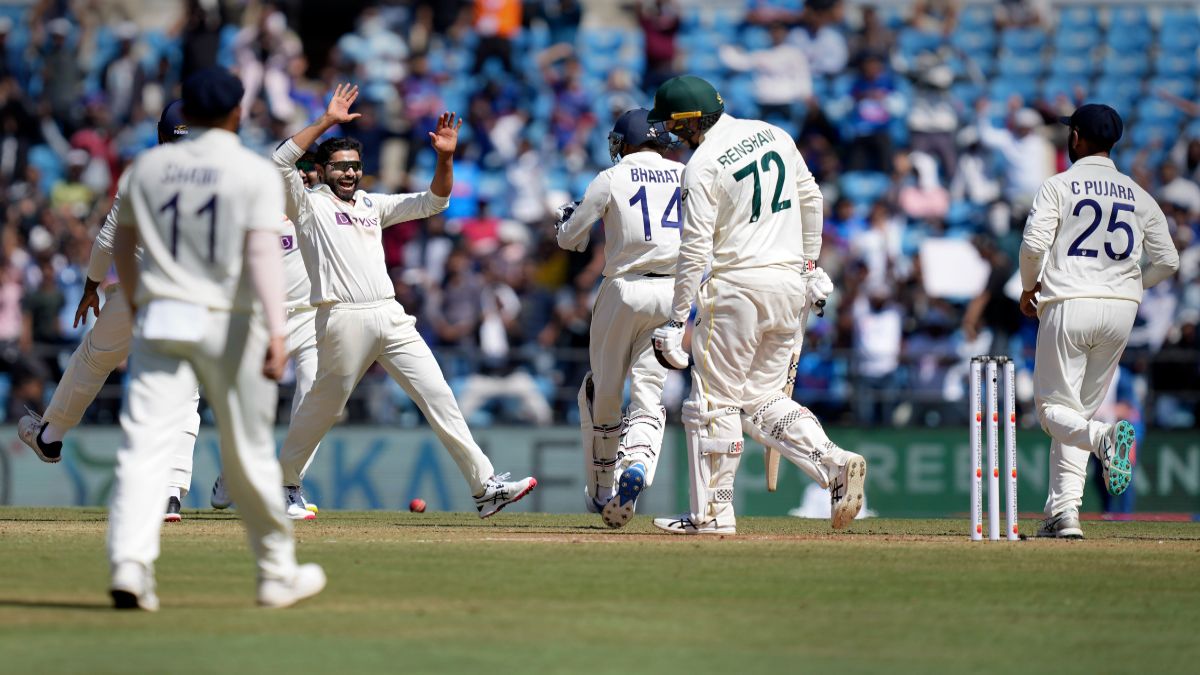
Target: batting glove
(820,286)
(668,346)
(564,213)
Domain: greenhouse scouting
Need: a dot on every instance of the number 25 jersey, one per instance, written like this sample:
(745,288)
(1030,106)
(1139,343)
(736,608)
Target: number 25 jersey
(1086,233)
(639,200)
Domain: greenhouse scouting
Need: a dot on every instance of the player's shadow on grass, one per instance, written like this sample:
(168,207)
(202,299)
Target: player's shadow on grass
(58,604)
(501,525)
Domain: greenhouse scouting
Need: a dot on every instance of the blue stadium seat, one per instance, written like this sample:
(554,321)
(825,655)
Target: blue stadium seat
(600,40)
(911,42)
(1179,37)
(966,92)
(1175,64)
(1154,110)
(1081,18)
(864,187)
(1020,65)
(1075,65)
(1179,86)
(1128,18)
(1022,40)
(1004,87)
(1128,41)
(1126,65)
(1054,87)
(1193,128)
(974,39)
(976,16)
(1180,17)
(1144,134)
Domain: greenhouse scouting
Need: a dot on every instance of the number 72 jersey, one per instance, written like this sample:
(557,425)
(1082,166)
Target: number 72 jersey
(639,200)
(192,203)
(1091,224)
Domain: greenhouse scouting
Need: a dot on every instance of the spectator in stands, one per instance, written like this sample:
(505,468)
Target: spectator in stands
(878,340)
(821,40)
(936,17)
(781,77)
(992,310)
(659,20)
(1021,13)
(1027,156)
(875,104)
(264,50)
(71,192)
(62,76)
(199,29)
(1178,190)
(933,115)
(917,190)
(873,35)
(496,22)
(877,248)
(122,76)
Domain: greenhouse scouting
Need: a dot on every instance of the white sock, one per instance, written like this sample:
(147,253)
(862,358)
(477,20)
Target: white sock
(176,493)
(52,433)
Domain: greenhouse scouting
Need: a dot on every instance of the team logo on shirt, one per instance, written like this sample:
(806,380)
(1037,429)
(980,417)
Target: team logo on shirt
(288,242)
(367,202)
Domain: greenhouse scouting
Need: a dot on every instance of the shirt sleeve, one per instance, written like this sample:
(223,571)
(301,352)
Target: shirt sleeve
(295,196)
(1040,229)
(575,233)
(101,258)
(401,208)
(266,203)
(812,208)
(1162,258)
(125,216)
(696,240)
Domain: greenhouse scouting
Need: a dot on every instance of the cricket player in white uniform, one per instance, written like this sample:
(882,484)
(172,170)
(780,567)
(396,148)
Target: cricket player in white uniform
(104,349)
(206,212)
(358,321)
(752,209)
(1083,280)
(639,202)
(301,331)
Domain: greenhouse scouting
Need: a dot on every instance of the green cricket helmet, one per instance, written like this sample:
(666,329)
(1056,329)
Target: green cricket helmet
(686,97)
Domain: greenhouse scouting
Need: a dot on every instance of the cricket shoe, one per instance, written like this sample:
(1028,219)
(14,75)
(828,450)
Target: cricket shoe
(29,430)
(132,587)
(593,505)
(308,580)
(846,491)
(220,498)
(1063,525)
(685,525)
(498,493)
(172,515)
(619,509)
(1116,456)
(294,501)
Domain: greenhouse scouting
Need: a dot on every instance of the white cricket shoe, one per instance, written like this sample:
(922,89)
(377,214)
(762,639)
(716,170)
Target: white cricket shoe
(29,430)
(220,498)
(132,587)
(1063,525)
(619,510)
(499,492)
(846,491)
(685,525)
(294,501)
(308,580)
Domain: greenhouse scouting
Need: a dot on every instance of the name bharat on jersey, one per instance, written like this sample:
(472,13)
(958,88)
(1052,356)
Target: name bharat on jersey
(640,175)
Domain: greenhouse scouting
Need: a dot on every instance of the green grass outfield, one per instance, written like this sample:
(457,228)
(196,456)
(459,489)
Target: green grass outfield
(518,593)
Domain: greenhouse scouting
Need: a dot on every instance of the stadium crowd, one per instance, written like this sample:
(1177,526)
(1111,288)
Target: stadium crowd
(929,125)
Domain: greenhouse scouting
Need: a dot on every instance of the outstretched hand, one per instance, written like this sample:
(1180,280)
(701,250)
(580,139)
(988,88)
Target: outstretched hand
(338,111)
(444,138)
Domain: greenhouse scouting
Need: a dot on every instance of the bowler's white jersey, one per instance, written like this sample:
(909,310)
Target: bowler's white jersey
(770,207)
(639,201)
(192,203)
(1086,233)
(342,243)
(297,286)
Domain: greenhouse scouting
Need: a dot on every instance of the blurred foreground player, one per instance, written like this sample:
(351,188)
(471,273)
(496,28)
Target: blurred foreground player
(206,212)
(752,209)
(1082,278)
(639,202)
(358,321)
(104,349)
(301,332)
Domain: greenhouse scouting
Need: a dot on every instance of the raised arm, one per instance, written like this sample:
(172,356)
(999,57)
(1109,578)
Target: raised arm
(444,140)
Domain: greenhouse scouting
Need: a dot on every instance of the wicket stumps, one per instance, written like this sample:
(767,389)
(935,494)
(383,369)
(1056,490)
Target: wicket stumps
(985,382)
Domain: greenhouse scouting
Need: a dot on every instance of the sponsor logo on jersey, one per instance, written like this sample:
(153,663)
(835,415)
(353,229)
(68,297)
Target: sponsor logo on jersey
(288,242)
(343,218)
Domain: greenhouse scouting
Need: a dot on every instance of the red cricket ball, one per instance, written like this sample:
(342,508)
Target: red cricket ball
(417,505)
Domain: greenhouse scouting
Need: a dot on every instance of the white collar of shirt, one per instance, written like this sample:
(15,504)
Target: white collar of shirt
(1093,160)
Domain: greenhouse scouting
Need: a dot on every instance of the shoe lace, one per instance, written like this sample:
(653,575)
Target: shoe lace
(36,417)
(500,478)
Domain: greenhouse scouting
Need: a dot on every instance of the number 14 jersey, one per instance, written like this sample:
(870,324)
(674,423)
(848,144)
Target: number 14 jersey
(639,200)
(1086,234)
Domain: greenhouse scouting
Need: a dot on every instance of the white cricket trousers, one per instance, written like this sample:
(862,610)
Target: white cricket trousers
(103,350)
(1079,346)
(302,348)
(227,360)
(350,337)
(626,312)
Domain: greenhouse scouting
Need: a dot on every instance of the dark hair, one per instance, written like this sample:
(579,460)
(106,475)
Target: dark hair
(326,149)
(1095,144)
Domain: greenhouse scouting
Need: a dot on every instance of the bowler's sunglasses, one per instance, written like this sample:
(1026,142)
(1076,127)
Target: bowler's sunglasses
(345,166)
(306,165)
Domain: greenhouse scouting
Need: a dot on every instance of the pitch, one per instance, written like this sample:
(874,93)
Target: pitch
(441,592)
